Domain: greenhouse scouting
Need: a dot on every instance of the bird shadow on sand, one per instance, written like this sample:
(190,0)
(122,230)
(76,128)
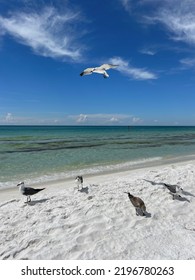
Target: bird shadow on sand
(84,190)
(140,213)
(154,183)
(34,202)
(181,198)
(148,215)
(188,193)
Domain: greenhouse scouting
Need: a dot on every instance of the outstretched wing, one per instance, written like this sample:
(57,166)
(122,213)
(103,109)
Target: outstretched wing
(107,66)
(87,71)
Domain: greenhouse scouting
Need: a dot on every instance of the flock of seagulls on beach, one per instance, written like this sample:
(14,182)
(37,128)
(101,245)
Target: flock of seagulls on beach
(138,203)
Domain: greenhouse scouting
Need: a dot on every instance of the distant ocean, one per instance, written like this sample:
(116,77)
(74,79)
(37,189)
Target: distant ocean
(46,153)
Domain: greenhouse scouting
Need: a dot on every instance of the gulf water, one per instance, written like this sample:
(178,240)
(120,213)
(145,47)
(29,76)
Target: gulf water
(45,153)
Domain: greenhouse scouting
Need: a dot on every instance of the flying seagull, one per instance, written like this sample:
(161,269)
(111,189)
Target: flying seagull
(100,70)
(27,191)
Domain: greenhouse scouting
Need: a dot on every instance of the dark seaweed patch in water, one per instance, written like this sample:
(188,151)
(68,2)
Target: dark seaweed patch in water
(116,145)
(39,149)
(29,144)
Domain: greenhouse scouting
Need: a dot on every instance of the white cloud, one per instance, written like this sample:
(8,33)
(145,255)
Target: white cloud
(48,32)
(114,120)
(178,18)
(136,120)
(12,119)
(181,25)
(101,119)
(126,4)
(148,51)
(135,73)
(77,119)
(188,62)
(82,118)
(9,117)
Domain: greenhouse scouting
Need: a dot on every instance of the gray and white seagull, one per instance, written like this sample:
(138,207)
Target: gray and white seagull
(27,191)
(175,190)
(100,70)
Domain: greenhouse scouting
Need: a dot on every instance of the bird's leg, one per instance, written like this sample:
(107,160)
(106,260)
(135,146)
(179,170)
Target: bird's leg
(28,198)
(136,210)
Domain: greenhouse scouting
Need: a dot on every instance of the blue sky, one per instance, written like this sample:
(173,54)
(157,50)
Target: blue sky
(45,45)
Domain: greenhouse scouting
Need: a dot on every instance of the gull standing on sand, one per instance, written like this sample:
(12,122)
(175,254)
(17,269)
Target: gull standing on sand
(100,70)
(138,204)
(79,181)
(27,191)
(174,189)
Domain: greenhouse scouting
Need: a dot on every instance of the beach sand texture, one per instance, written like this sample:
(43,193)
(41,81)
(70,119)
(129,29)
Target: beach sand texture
(99,222)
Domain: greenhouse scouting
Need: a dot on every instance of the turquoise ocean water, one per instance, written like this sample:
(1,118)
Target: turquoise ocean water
(46,153)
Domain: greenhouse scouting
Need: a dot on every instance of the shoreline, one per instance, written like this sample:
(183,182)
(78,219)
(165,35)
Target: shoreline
(12,192)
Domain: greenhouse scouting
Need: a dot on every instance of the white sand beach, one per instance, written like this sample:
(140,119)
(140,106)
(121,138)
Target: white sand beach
(99,222)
